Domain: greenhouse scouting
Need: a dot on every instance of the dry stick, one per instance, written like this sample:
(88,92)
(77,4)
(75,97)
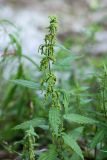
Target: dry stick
(4,154)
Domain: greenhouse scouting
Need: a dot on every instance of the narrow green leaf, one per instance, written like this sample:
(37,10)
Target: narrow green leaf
(62,47)
(36,122)
(7,22)
(98,137)
(79,119)
(26,83)
(11,89)
(31,60)
(69,140)
(14,40)
(66,61)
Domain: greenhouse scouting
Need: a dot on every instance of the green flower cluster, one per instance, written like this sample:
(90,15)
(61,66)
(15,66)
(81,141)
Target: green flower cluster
(29,143)
(47,49)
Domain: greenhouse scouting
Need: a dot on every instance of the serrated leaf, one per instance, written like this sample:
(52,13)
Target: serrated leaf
(69,140)
(51,154)
(54,119)
(98,137)
(26,83)
(79,119)
(36,122)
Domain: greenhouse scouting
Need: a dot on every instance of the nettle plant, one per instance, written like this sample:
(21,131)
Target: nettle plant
(60,140)
(63,144)
(99,141)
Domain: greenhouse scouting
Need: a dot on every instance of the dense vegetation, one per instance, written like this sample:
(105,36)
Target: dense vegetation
(55,109)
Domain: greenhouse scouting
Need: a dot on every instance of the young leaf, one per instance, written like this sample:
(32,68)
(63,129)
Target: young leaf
(79,119)
(54,119)
(26,83)
(69,140)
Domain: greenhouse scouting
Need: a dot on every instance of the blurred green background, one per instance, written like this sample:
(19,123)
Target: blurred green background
(82,35)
